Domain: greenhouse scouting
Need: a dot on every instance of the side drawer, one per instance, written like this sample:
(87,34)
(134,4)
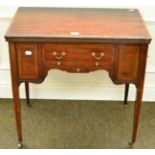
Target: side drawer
(128,62)
(27,54)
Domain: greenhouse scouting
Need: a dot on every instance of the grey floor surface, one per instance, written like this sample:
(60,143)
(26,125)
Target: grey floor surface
(76,125)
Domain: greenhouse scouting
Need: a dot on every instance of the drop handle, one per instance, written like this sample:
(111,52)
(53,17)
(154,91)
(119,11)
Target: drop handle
(58,56)
(100,56)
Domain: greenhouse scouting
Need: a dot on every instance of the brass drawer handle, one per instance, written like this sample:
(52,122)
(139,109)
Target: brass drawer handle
(97,57)
(58,56)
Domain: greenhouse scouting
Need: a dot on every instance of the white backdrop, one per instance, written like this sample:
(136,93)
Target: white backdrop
(81,3)
(61,85)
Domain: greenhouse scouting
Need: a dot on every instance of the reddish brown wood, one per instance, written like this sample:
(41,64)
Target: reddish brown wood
(118,33)
(27,64)
(105,24)
(78,56)
(15,89)
(139,91)
(128,62)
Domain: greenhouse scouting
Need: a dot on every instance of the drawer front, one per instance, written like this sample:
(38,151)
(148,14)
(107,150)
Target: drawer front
(121,60)
(27,60)
(128,62)
(78,57)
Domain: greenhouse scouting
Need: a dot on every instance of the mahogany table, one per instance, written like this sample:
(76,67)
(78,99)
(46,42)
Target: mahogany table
(78,41)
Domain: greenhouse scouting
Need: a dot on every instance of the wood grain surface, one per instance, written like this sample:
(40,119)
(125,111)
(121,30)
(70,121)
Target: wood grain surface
(78,23)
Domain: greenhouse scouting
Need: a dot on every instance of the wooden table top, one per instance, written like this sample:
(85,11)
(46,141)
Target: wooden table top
(78,23)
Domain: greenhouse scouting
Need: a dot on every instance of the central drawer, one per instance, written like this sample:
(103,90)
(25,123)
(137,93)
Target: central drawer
(78,57)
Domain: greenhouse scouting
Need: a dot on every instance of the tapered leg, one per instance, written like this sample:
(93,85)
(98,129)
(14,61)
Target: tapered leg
(139,94)
(27,93)
(17,110)
(126,94)
(15,91)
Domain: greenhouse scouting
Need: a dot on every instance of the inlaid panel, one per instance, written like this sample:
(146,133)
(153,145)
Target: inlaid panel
(128,59)
(27,60)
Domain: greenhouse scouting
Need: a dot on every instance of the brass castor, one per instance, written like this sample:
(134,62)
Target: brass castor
(20,145)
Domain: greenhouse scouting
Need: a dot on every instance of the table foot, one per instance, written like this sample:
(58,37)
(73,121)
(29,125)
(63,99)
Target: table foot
(20,145)
(131,143)
(29,104)
(124,106)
